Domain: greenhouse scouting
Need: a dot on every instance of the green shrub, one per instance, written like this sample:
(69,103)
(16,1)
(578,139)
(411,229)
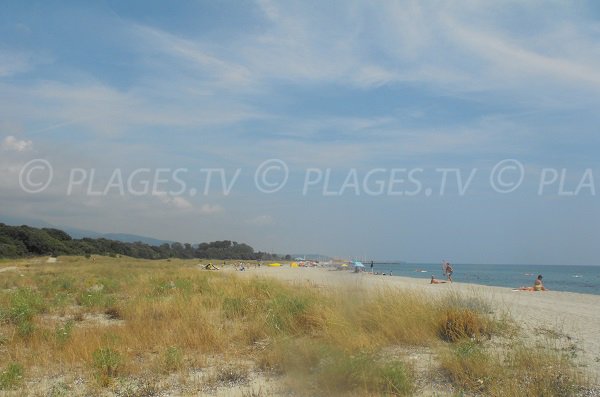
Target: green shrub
(285,312)
(63,332)
(25,328)
(66,284)
(162,287)
(24,304)
(11,376)
(341,372)
(173,359)
(520,371)
(107,363)
(184,285)
(458,324)
(96,299)
(234,307)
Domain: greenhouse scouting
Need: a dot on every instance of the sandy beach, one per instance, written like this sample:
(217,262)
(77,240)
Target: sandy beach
(570,318)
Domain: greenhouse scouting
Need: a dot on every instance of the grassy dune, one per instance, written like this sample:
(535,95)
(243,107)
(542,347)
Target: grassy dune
(135,327)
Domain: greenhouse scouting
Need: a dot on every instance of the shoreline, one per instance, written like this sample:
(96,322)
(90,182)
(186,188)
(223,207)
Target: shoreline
(528,282)
(570,317)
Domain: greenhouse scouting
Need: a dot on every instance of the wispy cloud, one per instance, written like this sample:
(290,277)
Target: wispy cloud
(177,202)
(12,63)
(18,145)
(194,55)
(335,84)
(208,209)
(261,220)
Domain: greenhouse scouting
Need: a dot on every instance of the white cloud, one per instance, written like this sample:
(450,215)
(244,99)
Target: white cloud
(515,60)
(177,202)
(103,109)
(455,49)
(11,143)
(194,54)
(208,209)
(182,204)
(12,63)
(261,220)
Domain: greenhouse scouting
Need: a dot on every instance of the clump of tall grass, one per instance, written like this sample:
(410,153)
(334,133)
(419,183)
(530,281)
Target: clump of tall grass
(331,370)
(63,332)
(107,362)
(172,359)
(23,304)
(459,324)
(11,376)
(518,370)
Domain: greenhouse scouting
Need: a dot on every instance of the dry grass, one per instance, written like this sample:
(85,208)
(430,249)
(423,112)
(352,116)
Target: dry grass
(516,371)
(117,320)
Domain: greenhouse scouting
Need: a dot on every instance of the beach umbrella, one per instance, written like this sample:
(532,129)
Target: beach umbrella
(344,265)
(357,264)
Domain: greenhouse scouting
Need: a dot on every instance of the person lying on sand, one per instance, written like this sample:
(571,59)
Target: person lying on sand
(436,281)
(537,285)
(210,266)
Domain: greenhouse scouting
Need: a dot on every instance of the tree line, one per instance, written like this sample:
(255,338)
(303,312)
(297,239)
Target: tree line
(24,241)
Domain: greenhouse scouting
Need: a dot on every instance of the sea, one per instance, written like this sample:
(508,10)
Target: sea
(571,278)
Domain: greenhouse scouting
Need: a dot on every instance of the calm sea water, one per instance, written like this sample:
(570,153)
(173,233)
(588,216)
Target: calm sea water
(582,279)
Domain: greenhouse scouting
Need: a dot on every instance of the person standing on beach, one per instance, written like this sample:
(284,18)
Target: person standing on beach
(448,270)
(371,267)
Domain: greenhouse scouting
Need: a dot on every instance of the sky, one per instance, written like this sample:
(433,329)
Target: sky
(388,130)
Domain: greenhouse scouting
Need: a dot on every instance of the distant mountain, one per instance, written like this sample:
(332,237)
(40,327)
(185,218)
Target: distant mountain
(18,221)
(132,238)
(80,233)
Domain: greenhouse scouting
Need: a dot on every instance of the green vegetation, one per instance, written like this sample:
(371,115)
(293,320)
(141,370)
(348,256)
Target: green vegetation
(133,326)
(23,241)
(519,371)
(107,363)
(11,376)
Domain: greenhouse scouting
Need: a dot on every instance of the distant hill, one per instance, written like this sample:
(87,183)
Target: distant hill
(132,238)
(81,233)
(23,241)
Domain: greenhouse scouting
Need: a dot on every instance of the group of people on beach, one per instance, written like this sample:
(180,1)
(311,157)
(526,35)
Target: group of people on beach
(240,266)
(538,285)
(377,273)
(448,270)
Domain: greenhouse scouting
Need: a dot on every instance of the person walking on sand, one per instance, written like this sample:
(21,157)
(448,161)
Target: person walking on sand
(371,267)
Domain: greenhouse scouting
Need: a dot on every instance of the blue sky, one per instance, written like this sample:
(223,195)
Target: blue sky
(342,85)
